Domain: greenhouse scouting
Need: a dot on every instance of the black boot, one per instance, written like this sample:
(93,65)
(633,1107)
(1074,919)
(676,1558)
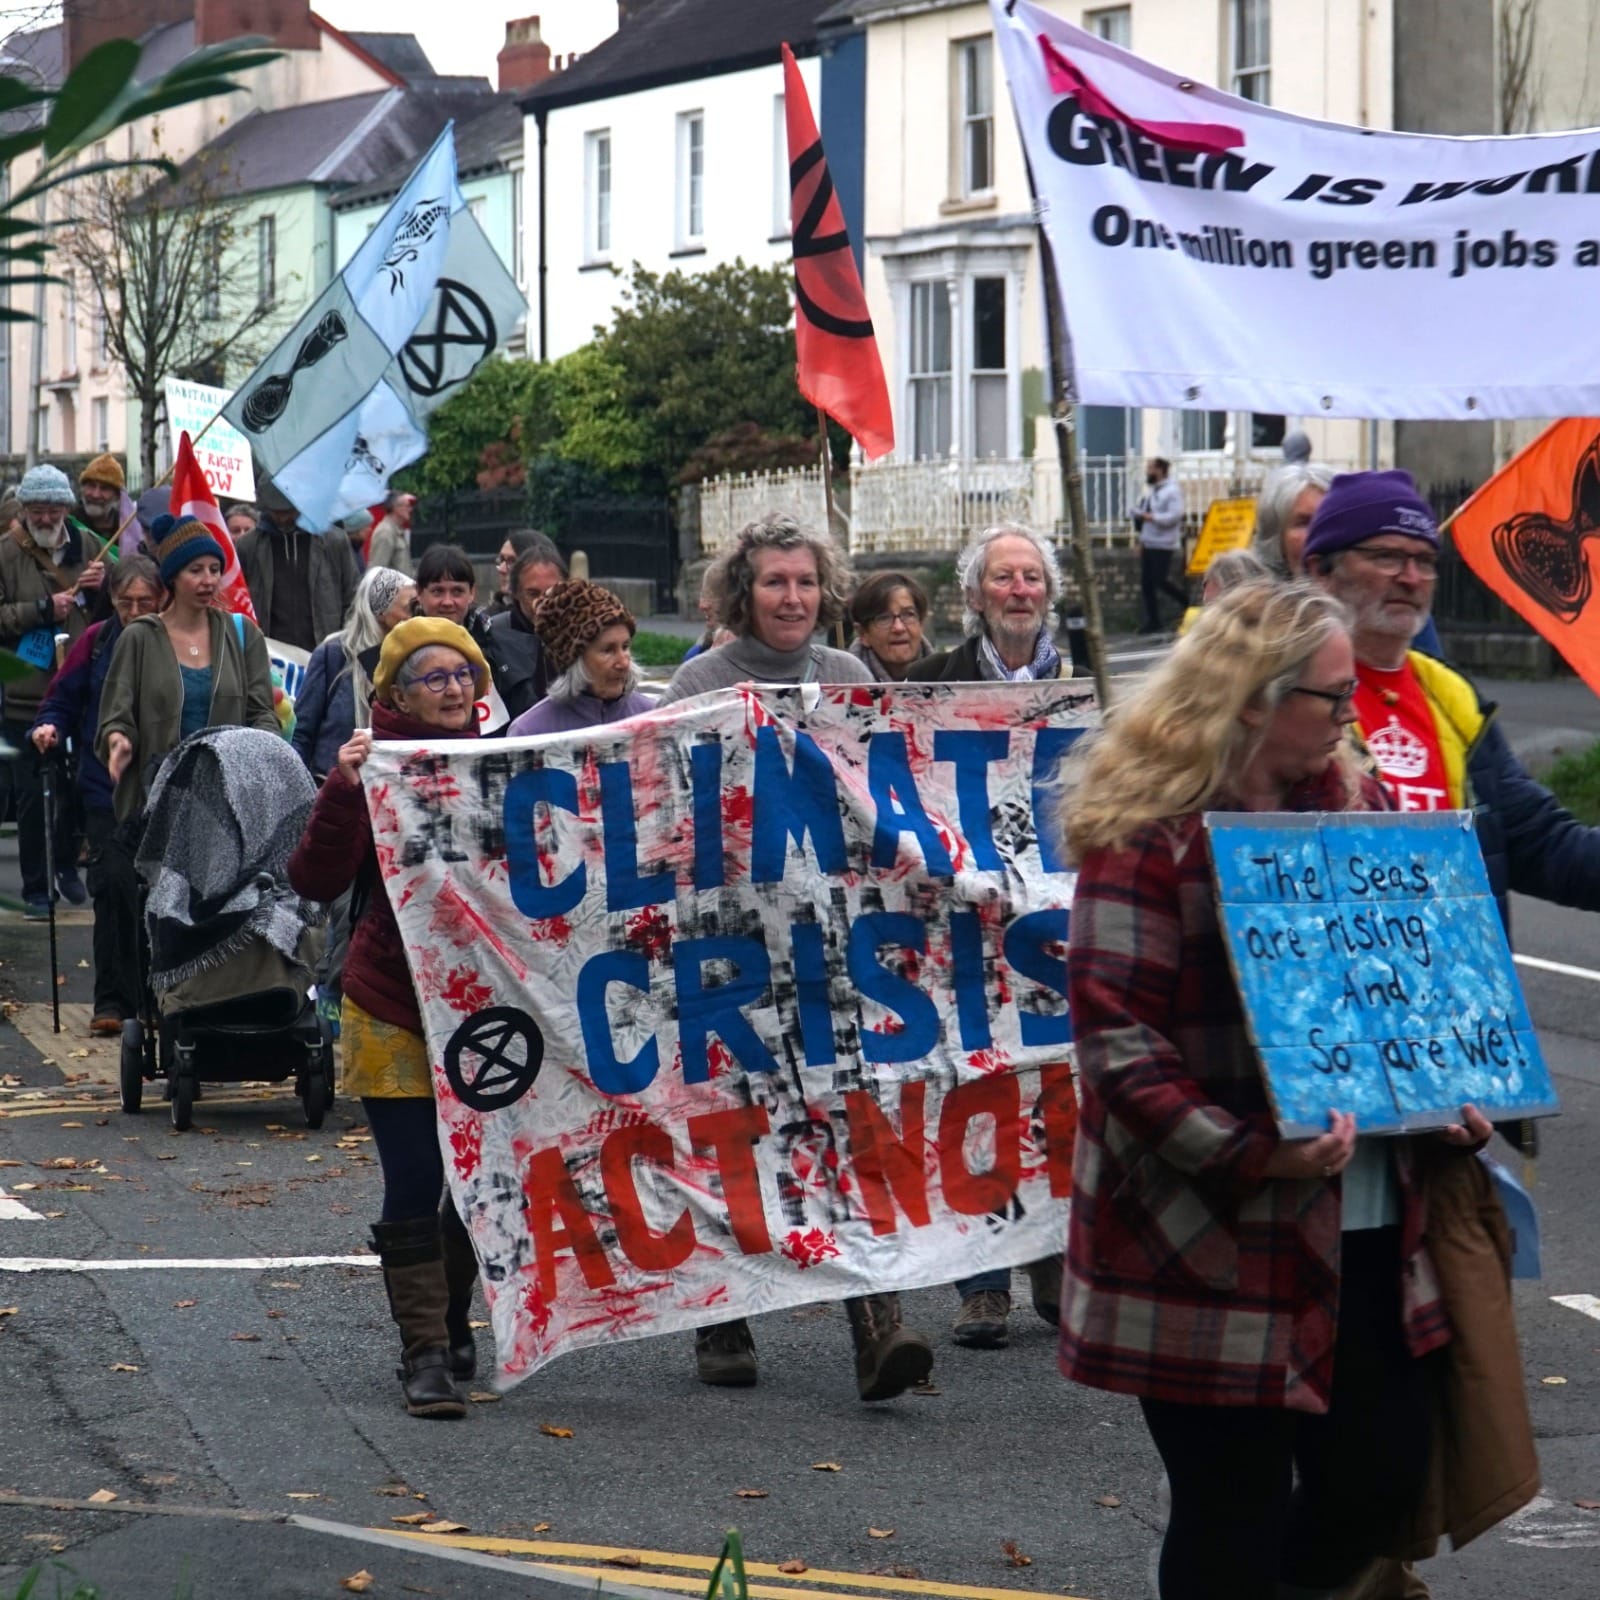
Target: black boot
(461,1278)
(889,1357)
(725,1354)
(413,1275)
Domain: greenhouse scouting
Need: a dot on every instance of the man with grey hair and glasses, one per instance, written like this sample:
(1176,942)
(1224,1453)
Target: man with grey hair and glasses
(1010,585)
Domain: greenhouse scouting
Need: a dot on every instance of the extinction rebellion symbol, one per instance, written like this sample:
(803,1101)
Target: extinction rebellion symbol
(461,322)
(493,1058)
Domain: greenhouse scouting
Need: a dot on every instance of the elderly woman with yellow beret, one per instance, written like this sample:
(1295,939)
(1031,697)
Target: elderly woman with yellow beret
(430,673)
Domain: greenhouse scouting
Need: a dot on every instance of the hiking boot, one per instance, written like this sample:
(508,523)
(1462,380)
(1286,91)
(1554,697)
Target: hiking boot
(890,1358)
(981,1322)
(413,1275)
(726,1355)
(1044,1278)
(461,1278)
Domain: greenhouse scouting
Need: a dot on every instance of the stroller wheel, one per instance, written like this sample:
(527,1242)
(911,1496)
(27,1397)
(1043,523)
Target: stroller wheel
(183,1085)
(131,1077)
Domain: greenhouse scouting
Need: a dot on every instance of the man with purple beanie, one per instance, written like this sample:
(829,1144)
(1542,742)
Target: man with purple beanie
(1374,544)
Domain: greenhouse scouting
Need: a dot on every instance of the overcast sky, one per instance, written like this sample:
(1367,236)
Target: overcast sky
(466,37)
(460,38)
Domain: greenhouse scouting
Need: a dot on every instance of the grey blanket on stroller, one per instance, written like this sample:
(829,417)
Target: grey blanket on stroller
(225,812)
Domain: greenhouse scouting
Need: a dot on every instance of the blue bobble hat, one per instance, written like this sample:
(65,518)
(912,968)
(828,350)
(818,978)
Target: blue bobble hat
(45,485)
(179,540)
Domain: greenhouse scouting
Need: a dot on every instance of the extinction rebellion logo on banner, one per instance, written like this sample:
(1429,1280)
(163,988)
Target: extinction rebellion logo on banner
(760,999)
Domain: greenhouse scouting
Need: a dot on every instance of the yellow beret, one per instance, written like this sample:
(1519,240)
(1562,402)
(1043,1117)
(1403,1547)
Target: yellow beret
(417,634)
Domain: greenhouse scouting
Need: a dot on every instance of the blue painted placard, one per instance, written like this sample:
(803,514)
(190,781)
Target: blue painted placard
(1374,969)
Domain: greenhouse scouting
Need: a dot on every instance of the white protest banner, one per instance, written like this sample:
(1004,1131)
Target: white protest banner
(289,661)
(224,453)
(756,1000)
(1283,265)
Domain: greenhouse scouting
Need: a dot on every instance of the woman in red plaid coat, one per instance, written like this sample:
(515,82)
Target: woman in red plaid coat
(1270,1301)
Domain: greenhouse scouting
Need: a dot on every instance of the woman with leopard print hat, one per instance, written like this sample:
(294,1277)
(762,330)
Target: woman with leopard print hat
(586,634)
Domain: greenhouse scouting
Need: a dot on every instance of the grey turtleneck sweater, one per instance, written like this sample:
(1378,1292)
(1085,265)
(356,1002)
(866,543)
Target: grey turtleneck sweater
(747,660)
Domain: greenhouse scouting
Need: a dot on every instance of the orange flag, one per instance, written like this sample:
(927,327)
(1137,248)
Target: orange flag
(1526,534)
(839,368)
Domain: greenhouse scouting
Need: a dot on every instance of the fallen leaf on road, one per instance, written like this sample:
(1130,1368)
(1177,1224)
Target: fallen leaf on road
(925,1388)
(245,1338)
(751,1494)
(1110,1500)
(9,1311)
(78,1055)
(541,1527)
(1014,1557)
(121,1366)
(275,1127)
(283,1285)
(184,1305)
(69,1124)
(60,1163)
(357,1582)
(277,1314)
(23,1188)
(54,1214)
(313,1158)
(797,1565)
(166,1158)
(101,1497)
(10,1163)
(83,963)
(623,1558)
(826,1466)
(412,1518)
(483,1397)
(395,1491)
(1553,1382)
(441,1526)
(301,1494)
(1587,1505)
(550,1431)
(880,1533)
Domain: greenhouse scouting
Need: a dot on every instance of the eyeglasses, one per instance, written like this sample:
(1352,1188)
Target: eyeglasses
(1391,563)
(906,618)
(438,681)
(1339,700)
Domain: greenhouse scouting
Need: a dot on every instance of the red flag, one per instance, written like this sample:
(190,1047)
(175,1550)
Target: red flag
(839,368)
(192,497)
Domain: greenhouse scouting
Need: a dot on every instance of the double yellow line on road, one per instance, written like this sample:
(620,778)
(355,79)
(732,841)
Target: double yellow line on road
(623,1565)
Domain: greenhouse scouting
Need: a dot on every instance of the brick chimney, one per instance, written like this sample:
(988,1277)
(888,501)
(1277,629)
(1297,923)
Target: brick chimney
(524,58)
(287,23)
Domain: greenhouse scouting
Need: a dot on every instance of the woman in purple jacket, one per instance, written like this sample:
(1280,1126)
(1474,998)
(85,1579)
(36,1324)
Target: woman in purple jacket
(586,634)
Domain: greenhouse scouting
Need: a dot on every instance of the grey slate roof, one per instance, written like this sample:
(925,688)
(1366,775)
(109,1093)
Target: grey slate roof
(482,138)
(401,53)
(673,41)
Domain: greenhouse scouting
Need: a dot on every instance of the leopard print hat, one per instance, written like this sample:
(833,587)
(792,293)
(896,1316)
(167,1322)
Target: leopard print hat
(572,615)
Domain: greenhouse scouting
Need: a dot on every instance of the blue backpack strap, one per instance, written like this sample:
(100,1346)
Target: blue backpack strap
(238,626)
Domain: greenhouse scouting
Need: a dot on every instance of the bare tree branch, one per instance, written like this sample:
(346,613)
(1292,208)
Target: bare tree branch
(1516,30)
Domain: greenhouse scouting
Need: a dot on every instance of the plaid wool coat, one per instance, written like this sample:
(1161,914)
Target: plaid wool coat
(1190,1276)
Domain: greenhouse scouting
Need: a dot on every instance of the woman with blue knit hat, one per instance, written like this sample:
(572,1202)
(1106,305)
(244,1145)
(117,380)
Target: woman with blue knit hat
(191,666)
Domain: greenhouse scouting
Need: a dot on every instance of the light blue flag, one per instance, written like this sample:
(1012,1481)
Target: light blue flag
(341,403)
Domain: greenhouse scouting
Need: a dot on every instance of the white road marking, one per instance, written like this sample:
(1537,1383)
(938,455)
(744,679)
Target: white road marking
(181,1263)
(13,1210)
(1560,967)
(1588,1304)
(1547,1524)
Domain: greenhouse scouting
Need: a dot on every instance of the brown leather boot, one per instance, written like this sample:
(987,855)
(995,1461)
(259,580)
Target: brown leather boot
(413,1275)
(890,1358)
(461,1278)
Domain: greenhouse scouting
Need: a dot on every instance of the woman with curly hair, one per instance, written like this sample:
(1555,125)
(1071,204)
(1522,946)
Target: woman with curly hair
(1271,1302)
(774,589)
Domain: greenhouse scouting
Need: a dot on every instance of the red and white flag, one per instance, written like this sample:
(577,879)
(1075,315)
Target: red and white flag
(192,497)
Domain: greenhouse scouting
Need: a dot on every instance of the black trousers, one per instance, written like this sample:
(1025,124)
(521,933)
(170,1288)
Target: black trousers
(1155,568)
(26,772)
(1240,1522)
(406,1132)
(114,886)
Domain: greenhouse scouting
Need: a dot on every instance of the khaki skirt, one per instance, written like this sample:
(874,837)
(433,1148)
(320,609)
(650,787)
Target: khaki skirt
(381,1061)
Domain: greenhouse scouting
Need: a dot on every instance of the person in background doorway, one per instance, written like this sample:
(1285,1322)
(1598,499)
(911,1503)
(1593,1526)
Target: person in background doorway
(51,570)
(1010,584)
(1158,522)
(586,635)
(71,710)
(301,584)
(516,658)
(890,612)
(390,544)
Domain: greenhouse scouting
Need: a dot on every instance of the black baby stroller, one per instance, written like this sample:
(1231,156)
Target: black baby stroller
(230,947)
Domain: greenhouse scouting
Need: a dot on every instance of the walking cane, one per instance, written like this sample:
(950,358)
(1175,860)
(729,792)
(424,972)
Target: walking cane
(50,882)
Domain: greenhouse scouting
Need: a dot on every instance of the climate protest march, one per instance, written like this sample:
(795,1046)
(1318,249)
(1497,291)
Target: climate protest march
(758,1000)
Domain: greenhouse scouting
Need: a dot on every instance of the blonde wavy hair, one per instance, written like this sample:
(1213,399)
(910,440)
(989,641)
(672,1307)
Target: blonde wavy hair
(731,579)
(1177,744)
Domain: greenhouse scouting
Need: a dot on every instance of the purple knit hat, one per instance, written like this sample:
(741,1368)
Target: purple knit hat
(1361,505)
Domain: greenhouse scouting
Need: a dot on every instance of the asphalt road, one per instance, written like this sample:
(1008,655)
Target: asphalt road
(215,1403)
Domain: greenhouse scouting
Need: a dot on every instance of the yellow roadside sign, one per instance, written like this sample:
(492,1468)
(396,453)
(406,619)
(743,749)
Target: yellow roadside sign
(1229,525)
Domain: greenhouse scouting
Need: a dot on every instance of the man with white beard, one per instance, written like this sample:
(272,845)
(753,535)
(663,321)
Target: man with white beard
(51,571)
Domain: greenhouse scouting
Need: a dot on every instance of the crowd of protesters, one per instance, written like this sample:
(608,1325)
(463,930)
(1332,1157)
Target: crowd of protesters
(1294,1398)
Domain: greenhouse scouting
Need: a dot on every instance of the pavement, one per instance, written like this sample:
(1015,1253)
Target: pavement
(198,1399)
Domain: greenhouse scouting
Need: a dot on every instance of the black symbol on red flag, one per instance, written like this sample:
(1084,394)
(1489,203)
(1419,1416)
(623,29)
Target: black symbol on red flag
(829,291)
